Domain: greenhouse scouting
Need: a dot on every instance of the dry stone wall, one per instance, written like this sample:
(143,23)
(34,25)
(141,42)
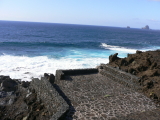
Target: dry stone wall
(120,76)
(55,104)
(60,74)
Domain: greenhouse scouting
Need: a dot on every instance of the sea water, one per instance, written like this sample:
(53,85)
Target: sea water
(29,49)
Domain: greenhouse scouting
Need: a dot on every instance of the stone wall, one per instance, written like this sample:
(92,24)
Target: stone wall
(120,76)
(113,73)
(60,74)
(54,103)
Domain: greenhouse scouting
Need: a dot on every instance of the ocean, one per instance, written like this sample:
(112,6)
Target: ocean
(30,49)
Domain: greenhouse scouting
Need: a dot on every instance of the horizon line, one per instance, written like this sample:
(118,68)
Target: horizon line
(74,24)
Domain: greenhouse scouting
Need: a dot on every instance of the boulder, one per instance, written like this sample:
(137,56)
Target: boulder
(8,85)
(2,78)
(46,75)
(25,84)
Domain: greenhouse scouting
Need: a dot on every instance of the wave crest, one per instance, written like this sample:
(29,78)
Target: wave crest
(117,48)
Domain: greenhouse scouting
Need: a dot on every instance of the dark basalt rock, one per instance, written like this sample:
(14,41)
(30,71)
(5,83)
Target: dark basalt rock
(100,67)
(25,84)
(4,77)
(123,62)
(138,52)
(154,96)
(153,65)
(7,84)
(141,68)
(30,99)
(50,77)
(46,75)
(148,84)
(145,65)
(130,60)
(112,58)
(21,103)
(131,70)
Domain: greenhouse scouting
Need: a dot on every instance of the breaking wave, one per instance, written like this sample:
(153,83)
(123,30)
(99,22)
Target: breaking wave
(117,48)
(24,68)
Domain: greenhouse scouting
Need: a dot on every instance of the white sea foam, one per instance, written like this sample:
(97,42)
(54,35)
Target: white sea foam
(24,68)
(117,48)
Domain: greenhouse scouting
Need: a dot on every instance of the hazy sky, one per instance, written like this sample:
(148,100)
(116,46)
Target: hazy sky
(120,13)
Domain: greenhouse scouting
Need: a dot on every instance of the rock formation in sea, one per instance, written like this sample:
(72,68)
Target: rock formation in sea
(146,27)
(128,27)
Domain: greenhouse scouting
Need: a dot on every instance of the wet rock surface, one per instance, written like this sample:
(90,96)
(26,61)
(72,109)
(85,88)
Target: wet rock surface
(145,65)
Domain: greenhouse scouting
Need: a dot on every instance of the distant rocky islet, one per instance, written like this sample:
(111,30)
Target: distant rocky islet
(146,27)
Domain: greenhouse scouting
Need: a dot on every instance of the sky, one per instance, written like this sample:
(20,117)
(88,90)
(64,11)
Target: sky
(117,13)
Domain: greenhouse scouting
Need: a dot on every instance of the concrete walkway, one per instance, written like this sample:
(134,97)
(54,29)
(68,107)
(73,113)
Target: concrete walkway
(96,97)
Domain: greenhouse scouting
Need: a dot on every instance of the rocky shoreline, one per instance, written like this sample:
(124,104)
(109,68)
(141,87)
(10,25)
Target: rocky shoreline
(146,66)
(19,101)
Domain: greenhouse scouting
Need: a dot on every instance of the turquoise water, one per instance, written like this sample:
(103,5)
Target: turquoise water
(29,49)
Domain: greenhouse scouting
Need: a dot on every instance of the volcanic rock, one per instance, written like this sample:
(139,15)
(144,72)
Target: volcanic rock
(145,65)
(7,84)
(112,58)
(50,77)
(46,75)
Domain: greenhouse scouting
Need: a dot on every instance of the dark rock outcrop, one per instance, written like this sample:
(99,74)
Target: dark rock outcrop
(145,65)
(50,77)
(7,84)
(19,102)
(112,58)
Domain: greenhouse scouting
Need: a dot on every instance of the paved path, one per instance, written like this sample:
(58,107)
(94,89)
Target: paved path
(96,97)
